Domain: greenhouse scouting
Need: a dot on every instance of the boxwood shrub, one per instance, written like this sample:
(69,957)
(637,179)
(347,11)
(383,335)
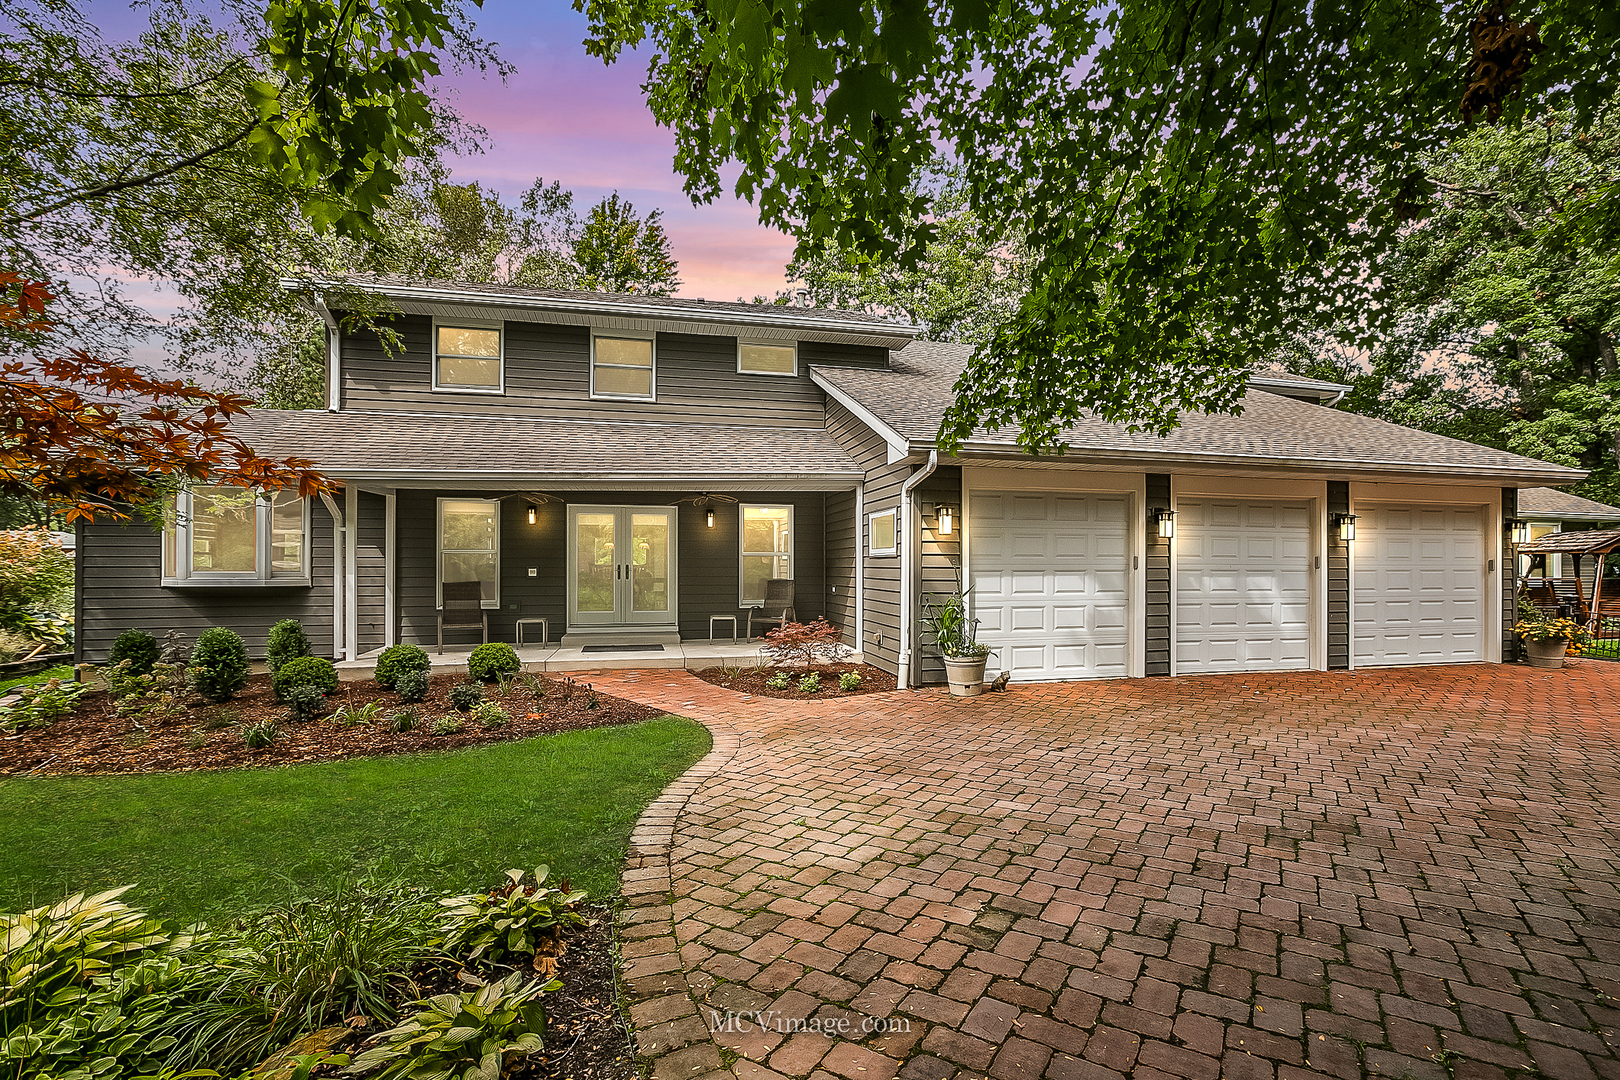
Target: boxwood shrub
(304,671)
(489,662)
(138,647)
(396,660)
(219,664)
(287,642)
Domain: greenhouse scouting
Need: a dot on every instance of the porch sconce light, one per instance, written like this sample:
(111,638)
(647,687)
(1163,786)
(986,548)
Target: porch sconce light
(708,517)
(1519,530)
(1346,524)
(946,518)
(532,513)
(1165,519)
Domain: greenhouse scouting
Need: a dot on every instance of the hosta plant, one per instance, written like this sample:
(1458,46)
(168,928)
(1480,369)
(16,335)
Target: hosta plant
(512,920)
(491,715)
(810,684)
(779,681)
(849,680)
(478,1035)
(446,725)
(41,705)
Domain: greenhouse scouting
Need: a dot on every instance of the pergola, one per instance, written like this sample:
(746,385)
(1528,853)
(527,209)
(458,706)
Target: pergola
(1600,543)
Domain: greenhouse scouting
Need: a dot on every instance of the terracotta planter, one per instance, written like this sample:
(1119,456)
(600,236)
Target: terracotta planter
(965,675)
(1545,654)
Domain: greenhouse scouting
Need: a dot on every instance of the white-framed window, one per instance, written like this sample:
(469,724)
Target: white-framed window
(470,547)
(1553,564)
(767,549)
(469,357)
(623,366)
(232,536)
(883,533)
(767,357)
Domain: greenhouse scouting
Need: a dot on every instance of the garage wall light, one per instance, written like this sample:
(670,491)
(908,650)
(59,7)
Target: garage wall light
(946,516)
(1346,524)
(1164,519)
(1519,530)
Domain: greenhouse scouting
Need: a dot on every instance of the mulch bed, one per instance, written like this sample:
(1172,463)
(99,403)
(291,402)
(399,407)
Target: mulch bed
(92,740)
(753,680)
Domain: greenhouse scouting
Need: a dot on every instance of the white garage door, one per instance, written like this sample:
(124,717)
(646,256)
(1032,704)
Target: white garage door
(1049,583)
(1243,585)
(1420,585)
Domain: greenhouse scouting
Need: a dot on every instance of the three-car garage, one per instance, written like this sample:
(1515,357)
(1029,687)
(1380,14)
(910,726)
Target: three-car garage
(1061,590)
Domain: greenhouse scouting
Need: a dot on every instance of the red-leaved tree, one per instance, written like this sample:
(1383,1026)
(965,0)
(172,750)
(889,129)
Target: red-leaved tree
(90,436)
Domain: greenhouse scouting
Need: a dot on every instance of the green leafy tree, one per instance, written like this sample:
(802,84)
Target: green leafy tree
(615,250)
(968,280)
(1502,313)
(1175,167)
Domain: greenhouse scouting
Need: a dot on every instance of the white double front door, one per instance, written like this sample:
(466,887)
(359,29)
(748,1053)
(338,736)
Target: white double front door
(621,563)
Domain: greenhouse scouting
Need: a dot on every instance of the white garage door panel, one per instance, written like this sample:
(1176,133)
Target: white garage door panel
(1050,582)
(1420,585)
(1243,585)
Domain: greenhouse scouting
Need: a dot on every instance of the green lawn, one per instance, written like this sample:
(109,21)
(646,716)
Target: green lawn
(207,845)
(63,672)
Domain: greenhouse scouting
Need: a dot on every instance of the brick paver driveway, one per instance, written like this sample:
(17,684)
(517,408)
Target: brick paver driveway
(1399,873)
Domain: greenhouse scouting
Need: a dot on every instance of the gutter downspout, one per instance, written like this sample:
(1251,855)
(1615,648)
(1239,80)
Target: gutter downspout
(334,372)
(340,538)
(910,563)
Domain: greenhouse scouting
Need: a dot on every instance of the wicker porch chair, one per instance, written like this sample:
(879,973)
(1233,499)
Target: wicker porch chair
(463,609)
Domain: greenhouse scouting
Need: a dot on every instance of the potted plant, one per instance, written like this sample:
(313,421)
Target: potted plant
(956,636)
(1547,642)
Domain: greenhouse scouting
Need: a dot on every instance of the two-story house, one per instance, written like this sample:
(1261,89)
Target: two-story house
(626,467)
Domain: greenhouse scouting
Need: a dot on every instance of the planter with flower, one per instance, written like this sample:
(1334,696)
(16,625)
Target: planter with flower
(1547,642)
(956,636)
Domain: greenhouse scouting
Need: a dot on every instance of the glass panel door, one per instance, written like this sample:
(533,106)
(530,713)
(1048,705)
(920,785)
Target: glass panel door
(595,572)
(622,565)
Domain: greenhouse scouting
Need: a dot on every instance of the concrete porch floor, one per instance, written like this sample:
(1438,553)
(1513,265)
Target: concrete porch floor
(693,654)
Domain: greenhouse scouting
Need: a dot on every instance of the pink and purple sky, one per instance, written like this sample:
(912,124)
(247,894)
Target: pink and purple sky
(566,116)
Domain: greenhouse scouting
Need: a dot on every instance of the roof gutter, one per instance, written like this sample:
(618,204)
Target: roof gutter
(909,562)
(767,315)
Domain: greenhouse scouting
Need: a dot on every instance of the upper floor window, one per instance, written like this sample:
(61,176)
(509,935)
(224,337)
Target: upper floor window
(468,357)
(229,536)
(622,366)
(757,358)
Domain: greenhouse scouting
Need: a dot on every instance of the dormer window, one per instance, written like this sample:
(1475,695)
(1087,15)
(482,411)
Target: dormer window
(767,358)
(623,366)
(468,357)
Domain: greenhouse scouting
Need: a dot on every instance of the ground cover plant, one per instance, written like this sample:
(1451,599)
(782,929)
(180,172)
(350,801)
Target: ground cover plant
(372,974)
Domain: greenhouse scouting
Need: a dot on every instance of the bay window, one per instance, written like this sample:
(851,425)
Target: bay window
(232,536)
(767,549)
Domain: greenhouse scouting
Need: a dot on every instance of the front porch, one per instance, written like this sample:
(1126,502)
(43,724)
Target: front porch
(694,654)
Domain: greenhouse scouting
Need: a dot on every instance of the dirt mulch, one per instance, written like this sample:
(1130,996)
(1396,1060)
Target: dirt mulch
(92,740)
(753,680)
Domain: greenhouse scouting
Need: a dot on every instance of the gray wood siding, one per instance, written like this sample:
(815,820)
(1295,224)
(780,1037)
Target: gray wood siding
(708,577)
(941,563)
(118,570)
(1510,576)
(842,542)
(1338,579)
(1156,637)
(548,376)
(371,574)
(881,624)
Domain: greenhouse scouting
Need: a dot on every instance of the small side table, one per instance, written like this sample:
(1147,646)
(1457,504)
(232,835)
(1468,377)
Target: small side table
(545,630)
(732,619)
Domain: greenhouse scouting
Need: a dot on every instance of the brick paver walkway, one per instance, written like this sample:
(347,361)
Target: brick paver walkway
(1396,873)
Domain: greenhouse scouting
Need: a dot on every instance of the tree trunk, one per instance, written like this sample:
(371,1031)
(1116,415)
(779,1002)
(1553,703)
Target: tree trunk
(1606,351)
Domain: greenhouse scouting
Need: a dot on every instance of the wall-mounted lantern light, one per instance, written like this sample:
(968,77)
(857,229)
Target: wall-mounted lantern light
(708,518)
(1346,524)
(947,519)
(1164,520)
(1519,530)
(532,513)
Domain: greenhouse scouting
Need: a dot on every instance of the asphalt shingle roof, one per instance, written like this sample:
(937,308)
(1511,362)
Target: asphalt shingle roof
(1552,503)
(912,397)
(376,443)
